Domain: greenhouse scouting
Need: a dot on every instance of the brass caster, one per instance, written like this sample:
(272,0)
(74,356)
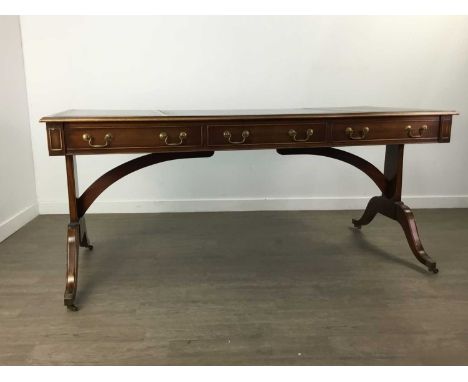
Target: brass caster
(356,224)
(72,308)
(432,267)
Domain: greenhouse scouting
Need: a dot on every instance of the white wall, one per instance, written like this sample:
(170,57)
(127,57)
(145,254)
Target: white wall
(249,62)
(17,190)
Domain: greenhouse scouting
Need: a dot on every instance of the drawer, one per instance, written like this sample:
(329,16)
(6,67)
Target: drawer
(363,130)
(266,134)
(132,138)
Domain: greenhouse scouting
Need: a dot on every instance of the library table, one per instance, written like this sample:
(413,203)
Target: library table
(168,135)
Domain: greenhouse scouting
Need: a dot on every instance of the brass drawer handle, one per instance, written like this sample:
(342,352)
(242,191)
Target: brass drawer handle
(292,133)
(350,132)
(422,130)
(163,136)
(245,135)
(107,138)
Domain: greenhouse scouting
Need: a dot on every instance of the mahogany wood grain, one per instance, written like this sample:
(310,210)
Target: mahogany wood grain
(393,171)
(72,186)
(386,129)
(128,137)
(272,133)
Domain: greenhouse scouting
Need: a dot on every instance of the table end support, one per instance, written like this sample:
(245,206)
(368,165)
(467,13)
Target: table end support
(400,212)
(73,248)
(405,217)
(77,235)
(390,183)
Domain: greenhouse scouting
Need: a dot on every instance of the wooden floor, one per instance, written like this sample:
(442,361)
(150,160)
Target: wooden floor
(252,288)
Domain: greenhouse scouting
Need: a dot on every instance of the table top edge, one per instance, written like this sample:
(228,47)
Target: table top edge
(100,116)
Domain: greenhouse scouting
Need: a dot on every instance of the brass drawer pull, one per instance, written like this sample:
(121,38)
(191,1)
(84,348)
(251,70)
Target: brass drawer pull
(422,130)
(292,133)
(350,132)
(107,138)
(245,135)
(163,136)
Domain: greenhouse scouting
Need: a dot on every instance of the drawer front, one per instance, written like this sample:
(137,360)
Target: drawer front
(132,138)
(266,135)
(417,129)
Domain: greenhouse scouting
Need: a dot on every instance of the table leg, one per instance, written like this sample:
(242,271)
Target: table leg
(390,205)
(390,183)
(73,249)
(76,235)
(400,212)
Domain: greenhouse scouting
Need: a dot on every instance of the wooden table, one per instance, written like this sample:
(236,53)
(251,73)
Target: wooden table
(168,135)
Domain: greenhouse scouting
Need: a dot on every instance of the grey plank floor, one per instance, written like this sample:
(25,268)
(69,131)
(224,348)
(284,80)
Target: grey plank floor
(252,288)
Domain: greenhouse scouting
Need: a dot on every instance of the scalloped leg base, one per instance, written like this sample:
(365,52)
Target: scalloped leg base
(401,213)
(73,250)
